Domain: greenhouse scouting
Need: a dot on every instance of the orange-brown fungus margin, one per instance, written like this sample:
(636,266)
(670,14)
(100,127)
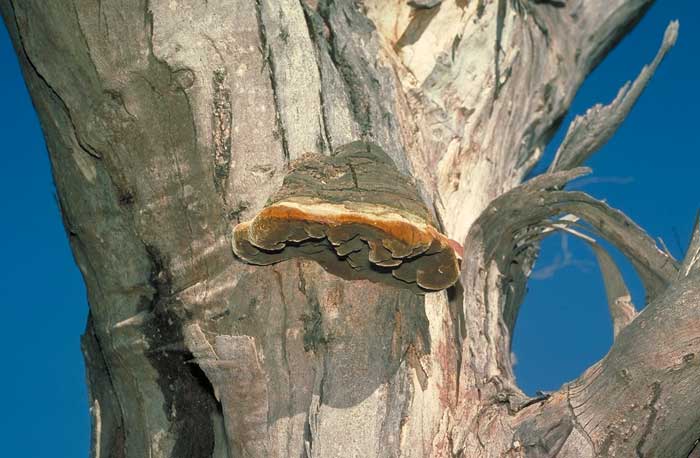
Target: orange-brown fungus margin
(384,236)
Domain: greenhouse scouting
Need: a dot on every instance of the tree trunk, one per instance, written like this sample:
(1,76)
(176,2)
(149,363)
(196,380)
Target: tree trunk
(169,122)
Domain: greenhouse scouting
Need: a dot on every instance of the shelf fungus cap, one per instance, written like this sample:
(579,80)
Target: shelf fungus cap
(358,217)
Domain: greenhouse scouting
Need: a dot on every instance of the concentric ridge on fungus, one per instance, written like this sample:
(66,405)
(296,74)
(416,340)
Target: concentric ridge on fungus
(357,216)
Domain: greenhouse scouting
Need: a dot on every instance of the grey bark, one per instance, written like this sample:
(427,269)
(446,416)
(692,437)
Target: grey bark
(168,122)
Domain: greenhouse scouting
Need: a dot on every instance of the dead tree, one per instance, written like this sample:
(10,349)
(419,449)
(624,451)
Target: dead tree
(169,122)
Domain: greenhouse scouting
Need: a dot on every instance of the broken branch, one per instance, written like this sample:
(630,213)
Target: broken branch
(588,133)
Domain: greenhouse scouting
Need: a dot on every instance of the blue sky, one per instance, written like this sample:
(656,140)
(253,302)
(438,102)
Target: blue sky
(647,170)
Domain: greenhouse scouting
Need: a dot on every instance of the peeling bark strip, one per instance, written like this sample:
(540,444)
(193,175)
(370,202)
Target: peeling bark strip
(222,120)
(138,100)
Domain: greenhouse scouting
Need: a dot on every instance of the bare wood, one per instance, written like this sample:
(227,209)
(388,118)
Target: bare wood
(622,310)
(692,255)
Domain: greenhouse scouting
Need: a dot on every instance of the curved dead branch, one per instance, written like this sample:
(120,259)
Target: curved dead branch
(654,354)
(502,253)
(512,221)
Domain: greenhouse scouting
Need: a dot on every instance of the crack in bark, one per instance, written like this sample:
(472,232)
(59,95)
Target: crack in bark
(83,36)
(308,433)
(314,36)
(500,19)
(222,126)
(285,355)
(455,297)
(554,3)
(413,359)
(269,63)
(359,105)
(87,148)
(354,177)
(117,447)
(651,419)
(524,6)
(577,425)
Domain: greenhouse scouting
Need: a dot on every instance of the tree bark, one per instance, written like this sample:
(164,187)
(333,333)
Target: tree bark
(169,122)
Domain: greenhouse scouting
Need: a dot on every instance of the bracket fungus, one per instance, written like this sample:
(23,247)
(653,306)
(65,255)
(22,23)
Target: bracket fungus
(355,214)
